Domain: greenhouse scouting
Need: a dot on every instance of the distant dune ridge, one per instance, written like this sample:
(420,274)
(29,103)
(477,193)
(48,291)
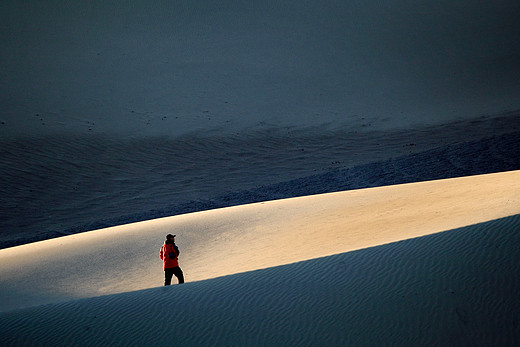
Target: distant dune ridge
(60,185)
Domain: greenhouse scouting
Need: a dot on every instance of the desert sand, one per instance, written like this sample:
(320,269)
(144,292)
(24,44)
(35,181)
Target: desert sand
(296,277)
(337,173)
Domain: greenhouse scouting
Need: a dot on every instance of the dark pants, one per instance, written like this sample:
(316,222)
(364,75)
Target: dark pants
(169,272)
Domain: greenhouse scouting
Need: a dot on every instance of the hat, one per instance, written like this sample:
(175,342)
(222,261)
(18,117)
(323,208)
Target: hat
(170,236)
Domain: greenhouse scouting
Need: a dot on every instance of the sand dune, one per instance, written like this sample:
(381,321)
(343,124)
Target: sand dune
(249,237)
(54,186)
(120,113)
(113,112)
(453,288)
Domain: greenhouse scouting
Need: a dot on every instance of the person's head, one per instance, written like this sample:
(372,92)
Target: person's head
(170,237)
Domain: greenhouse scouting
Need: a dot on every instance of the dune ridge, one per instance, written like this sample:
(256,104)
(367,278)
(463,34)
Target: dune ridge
(249,237)
(450,288)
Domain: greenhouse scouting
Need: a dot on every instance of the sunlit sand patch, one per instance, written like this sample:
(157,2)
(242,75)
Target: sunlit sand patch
(249,237)
(448,288)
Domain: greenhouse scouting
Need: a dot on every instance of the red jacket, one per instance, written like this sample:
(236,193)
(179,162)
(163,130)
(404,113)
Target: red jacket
(166,249)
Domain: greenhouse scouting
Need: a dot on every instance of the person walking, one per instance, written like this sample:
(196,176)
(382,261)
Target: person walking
(169,255)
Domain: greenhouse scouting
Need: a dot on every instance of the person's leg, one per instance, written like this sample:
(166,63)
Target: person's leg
(168,273)
(179,274)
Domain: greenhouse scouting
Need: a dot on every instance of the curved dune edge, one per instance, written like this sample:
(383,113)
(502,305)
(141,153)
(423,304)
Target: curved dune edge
(249,237)
(450,288)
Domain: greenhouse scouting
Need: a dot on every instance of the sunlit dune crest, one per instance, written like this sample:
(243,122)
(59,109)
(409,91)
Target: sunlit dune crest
(249,237)
(447,288)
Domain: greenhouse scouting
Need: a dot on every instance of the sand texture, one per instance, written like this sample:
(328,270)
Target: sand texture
(337,172)
(453,288)
(249,237)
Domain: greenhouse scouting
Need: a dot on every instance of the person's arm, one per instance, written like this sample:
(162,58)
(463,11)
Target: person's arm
(161,253)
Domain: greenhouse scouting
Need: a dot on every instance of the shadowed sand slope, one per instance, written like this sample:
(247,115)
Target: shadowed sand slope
(243,238)
(180,66)
(458,287)
(55,186)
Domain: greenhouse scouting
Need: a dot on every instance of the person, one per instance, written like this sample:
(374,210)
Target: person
(169,255)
